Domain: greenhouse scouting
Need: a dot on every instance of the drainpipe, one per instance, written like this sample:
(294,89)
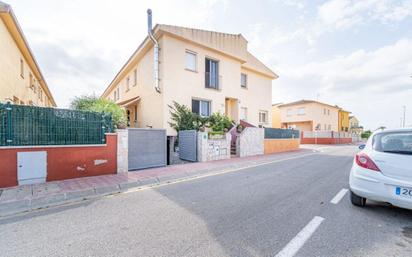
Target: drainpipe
(156,51)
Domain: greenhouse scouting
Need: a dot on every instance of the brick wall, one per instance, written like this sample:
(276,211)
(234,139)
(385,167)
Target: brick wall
(64,162)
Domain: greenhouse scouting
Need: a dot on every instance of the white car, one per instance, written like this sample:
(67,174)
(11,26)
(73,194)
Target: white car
(382,171)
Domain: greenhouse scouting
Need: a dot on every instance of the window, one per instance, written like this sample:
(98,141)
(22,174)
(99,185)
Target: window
(263,116)
(289,112)
(41,95)
(118,93)
(201,107)
(243,80)
(127,84)
(393,142)
(301,111)
(31,83)
(243,113)
(211,74)
(115,96)
(21,68)
(191,61)
(135,77)
(328,112)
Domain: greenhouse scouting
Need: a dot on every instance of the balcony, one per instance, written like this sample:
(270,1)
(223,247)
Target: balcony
(213,80)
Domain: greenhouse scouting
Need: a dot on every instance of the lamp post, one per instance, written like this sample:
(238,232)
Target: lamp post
(404,115)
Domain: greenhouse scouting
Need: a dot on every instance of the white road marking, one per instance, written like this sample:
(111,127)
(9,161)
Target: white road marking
(299,240)
(339,196)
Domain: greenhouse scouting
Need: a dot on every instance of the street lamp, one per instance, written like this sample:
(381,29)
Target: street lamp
(404,115)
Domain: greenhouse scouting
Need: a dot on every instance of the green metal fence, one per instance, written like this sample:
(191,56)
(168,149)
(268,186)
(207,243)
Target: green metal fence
(29,125)
(274,133)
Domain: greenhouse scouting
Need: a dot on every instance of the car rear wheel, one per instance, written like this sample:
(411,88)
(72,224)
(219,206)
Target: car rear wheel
(357,200)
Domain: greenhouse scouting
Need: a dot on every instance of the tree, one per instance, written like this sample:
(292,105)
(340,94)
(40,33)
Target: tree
(182,118)
(94,104)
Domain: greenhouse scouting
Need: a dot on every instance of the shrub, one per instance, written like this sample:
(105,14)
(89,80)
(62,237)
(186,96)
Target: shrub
(94,104)
(366,134)
(219,122)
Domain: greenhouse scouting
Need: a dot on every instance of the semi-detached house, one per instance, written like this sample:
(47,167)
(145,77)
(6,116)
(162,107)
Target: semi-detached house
(21,81)
(205,70)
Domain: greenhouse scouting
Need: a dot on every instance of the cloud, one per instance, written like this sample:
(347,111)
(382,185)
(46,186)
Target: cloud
(344,14)
(364,82)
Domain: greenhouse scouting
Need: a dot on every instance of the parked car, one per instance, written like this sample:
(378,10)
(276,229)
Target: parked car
(382,170)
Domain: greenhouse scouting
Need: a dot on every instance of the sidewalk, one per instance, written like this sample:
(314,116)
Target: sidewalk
(30,197)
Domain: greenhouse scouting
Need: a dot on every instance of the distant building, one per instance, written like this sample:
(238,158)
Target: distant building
(343,120)
(21,81)
(354,126)
(207,71)
(310,115)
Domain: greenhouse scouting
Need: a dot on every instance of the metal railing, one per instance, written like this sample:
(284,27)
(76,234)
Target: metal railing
(22,125)
(213,80)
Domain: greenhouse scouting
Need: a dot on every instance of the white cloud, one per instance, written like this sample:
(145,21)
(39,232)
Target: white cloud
(373,84)
(343,14)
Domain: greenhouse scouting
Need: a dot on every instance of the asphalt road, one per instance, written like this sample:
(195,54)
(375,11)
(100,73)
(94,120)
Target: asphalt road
(278,209)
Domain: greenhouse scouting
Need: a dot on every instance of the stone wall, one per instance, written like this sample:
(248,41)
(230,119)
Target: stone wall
(250,142)
(212,149)
(122,151)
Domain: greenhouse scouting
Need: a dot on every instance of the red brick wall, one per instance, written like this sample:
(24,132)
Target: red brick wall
(64,162)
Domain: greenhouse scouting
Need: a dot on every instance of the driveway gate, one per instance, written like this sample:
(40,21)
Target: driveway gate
(147,148)
(188,145)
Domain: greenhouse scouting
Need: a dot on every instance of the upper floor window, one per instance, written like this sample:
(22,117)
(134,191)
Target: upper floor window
(201,107)
(243,80)
(211,73)
(191,61)
(301,111)
(127,84)
(289,112)
(263,116)
(115,96)
(135,77)
(31,81)
(21,68)
(243,113)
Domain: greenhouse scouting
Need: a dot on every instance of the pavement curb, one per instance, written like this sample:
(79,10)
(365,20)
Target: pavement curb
(59,199)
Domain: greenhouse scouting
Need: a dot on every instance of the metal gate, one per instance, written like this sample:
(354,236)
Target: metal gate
(147,148)
(188,145)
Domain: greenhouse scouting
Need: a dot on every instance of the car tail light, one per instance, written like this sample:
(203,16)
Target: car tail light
(364,161)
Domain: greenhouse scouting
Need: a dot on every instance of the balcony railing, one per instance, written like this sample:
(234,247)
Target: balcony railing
(212,80)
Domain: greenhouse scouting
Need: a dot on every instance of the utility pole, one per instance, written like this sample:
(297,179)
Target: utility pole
(404,116)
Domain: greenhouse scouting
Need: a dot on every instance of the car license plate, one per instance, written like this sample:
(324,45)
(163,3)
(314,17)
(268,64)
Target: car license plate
(404,192)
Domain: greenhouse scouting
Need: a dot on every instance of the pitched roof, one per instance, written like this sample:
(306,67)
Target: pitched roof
(303,101)
(10,20)
(233,45)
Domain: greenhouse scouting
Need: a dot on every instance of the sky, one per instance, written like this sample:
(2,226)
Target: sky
(355,54)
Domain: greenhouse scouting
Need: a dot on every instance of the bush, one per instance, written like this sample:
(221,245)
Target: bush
(219,122)
(94,104)
(182,118)
(366,134)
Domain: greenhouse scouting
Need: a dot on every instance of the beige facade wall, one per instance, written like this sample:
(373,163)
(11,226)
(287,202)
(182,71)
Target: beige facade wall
(182,85)
(276,121)
(319,114)
(14,87)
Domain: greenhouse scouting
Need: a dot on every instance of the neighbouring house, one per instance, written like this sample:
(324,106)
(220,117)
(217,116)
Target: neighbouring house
(276,122)
(354,126)
(309,115)
(343,121)
(206,70)
(21,81)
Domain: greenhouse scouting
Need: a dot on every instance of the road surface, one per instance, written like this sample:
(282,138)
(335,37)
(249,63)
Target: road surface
(297,207)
